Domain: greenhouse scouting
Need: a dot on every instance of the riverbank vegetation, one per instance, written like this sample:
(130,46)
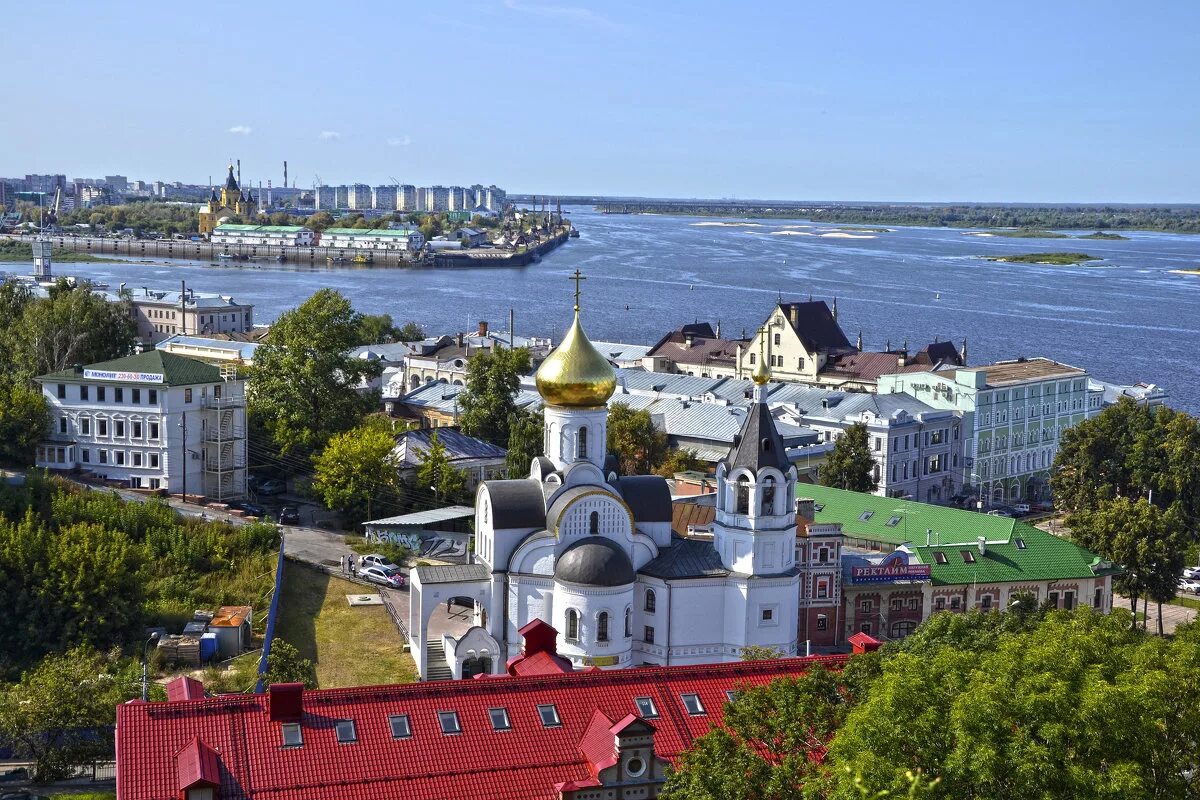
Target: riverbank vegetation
(1103,235)
(17,250)
(1059,259)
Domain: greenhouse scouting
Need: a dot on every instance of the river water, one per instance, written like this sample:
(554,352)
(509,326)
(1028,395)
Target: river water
(1126,318)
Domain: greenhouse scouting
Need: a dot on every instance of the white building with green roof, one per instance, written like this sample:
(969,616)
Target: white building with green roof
(154,421)
(258,235)
(409,240)
(902,561)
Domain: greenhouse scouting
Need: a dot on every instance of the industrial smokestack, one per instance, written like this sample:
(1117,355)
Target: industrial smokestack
(285,174)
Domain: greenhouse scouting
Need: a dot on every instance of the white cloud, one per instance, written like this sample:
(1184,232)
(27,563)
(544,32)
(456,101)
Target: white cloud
(241,130)
(399,141)
(576,13)
(328,136)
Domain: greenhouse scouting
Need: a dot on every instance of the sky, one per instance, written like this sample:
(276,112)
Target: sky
(1041,101)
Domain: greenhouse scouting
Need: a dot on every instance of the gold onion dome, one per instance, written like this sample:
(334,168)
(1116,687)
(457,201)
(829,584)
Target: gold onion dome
(761,374)
(576,375)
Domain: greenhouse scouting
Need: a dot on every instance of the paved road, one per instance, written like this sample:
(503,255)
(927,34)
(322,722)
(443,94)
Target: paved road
(1173,616)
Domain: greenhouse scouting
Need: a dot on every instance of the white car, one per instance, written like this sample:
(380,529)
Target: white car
(1192,572)
(386,577)
(376,560)
(1189,585)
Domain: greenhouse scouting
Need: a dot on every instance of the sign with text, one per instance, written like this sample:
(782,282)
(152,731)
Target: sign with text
(122,377)
(895,567)
(602,661)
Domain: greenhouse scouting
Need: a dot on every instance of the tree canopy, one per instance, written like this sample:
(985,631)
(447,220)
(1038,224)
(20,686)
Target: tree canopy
(438,475)
(488,401)
(303,385)
(850,464)
(638,445)
(24,420)
(354,468)
(526,441)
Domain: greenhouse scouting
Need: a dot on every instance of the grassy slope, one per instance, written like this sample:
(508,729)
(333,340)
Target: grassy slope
(1045,258)
(349,646)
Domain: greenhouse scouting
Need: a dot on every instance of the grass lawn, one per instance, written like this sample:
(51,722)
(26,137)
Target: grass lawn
(1189,602)
(349,646)
(84,796)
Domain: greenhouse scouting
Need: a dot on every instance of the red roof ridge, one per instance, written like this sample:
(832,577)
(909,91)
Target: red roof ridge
(598,743)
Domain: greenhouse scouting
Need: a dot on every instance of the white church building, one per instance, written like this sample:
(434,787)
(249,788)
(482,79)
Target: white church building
(592,553)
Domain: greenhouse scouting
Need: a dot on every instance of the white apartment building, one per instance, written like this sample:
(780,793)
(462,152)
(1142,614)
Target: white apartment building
(406,198)
(151,421)
(358,197)
(407,239)
(341,197)
(1014,414)
(324,198)
(383,198)
(437,198)
(495,199)
(285,235)
(461,199)
(160,313)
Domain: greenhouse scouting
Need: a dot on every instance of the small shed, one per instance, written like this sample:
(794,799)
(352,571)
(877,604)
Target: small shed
(232,627)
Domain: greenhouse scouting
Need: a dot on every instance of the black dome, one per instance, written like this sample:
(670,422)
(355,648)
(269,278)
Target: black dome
(594,561)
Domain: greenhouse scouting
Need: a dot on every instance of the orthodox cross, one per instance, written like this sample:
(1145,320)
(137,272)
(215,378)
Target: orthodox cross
(577,277)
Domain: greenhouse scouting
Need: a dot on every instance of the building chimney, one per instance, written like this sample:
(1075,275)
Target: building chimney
(982,546)
(286,702)
(483,327)
(928,536)
(460,340)
(689,339)
(806,508)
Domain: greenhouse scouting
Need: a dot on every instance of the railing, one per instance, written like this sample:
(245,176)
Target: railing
(235,401)
(223,435)
(395,616)
(225,465)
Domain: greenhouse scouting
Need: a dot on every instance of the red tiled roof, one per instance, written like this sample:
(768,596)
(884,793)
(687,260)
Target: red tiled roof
(185,688)
(525,762)
(541,663)
(196,765)
(599,744)
(864,366)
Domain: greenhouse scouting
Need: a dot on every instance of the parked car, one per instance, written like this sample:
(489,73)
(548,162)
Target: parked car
(1000,512)
(1192,572)
(1189,585)
(387,577)
(249,509)
(289,515)
(376,560)
(1022,508)
(273,486)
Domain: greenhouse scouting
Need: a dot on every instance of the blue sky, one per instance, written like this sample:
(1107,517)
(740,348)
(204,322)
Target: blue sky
(1020,101)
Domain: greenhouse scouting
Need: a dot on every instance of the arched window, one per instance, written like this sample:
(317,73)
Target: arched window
(602,626)
(628,622)
(594,523)
(768,497)
(650,600)
(572,625)
(581,446)
(743,495)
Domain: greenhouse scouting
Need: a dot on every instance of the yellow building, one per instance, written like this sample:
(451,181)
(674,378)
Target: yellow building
(231,203)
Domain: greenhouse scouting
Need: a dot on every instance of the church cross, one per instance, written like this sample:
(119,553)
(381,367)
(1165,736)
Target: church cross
(577,277)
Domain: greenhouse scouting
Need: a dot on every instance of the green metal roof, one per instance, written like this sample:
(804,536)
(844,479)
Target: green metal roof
(369,231)
(1014,551)
(261,228)
(176,370)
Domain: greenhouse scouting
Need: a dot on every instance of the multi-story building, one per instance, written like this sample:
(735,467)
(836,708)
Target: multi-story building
(1014,414)
(151,421)
(383,198)
(437,198)
(408,239)
(160,313)
(478,195)
(496,199)
(279,235)
(45,184)
(406,198)
(358,197)
(118,183)
(421,195)
(341,197)
(461,199)
(324,198)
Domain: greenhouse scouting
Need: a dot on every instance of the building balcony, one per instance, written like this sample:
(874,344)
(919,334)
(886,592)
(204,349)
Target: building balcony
(224,434)
(225,465)
(219,403)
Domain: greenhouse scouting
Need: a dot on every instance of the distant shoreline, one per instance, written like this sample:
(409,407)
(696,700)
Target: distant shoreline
(1050,259)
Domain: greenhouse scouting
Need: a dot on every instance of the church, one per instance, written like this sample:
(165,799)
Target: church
(231,203)
(590,552)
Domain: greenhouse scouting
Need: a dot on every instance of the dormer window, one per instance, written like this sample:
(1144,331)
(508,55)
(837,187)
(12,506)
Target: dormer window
(292,735)
(968,557)
(549,716)
(692,703)
(645,707)
(448,720)
(346,734)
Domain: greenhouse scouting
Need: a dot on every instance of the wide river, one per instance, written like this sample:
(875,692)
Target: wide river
(1126,318)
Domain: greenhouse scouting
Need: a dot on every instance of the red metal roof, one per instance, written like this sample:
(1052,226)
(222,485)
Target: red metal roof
(526,761)
(185,688)
(196,765)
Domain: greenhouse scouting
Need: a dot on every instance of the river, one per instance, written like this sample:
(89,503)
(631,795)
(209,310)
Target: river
(1126,318)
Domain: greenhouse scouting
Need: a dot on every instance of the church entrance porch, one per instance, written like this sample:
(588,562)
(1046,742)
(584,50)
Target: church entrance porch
(451,588)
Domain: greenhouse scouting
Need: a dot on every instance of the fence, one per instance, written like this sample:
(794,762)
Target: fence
(272,614)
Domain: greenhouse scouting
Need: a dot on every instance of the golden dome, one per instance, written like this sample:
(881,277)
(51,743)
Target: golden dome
(576,375)
(761,374)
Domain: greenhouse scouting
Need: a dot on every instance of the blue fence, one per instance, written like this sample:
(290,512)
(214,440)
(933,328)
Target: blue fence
(269,635)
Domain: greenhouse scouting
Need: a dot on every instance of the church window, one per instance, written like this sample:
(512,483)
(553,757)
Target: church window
(448,720)
(594,523)
(692,703)
(648,635)
(549,716)
(401,729)
(499,718)
(743,495)
(650,600)
(752,358)
(628,622)
(777,340)
(822,622)
(645,707)
(572,625)
(822,589)
(602,626)
(581,448)
(768,497)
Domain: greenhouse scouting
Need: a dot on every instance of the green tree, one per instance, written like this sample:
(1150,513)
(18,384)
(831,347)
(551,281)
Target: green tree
(680,460)
(638,445)
(354,468)
(410,332)
(488,401)
(61,713)
(375,329)
(24,420)
(850,464)
(525,441)
(756,652)
(71,326)
(319,221)
(303,385)
(286,665)
(435,473)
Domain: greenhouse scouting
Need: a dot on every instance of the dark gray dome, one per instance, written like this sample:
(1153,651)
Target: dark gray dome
(594,561)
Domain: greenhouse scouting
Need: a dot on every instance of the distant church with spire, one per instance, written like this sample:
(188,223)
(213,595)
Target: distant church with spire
(230,203)
(581,548)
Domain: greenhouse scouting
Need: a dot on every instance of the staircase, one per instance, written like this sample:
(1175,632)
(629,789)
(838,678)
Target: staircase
(436,664)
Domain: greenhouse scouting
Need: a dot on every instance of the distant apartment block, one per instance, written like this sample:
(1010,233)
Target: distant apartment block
(383,198)
(325,198)
(358,197)
(437,198)
(341,197)
(495,199)
(406,198)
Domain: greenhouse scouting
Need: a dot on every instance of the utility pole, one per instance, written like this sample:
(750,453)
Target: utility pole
(183,455)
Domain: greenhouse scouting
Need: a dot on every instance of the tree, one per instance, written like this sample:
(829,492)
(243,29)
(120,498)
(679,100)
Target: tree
(61,713)
(410,332)
(526,441)
(303,385)
(354,468)
(286,665)
(319,221)
(489,399)
(638,445)
(680,460)
(71,326)
(850,464)
(24,420)
(438,475)
(757,652)
(375,329)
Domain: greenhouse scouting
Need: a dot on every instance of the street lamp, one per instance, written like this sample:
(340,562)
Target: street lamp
(145,650)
